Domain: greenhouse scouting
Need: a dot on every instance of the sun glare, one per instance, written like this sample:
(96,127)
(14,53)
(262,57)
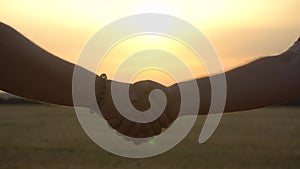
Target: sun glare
(239,30)
(128,47)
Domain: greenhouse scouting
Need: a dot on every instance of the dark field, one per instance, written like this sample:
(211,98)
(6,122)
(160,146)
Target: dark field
(37,136)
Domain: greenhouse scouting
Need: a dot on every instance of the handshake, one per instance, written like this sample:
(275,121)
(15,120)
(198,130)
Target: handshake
(139,97)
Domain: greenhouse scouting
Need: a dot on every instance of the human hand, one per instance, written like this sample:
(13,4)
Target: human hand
(139,93)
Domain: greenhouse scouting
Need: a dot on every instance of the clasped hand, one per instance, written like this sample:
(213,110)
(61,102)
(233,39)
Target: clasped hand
(139,97)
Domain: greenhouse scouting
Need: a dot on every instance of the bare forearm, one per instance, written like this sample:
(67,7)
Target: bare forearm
(264,82)
(31,72)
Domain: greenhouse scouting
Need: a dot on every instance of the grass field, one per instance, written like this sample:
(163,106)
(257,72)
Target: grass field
(51,137)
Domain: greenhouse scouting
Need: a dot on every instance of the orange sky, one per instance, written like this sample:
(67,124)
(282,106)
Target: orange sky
(239,30)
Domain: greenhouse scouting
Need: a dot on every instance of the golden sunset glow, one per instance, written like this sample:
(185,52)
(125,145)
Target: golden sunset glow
(136,44)
(239,30)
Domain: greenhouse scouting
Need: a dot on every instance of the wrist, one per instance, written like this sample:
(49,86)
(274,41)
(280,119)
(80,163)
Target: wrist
(174,91)
(174,98)
(102,85)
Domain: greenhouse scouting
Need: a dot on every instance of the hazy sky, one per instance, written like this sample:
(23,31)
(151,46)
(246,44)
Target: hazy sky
(239,29)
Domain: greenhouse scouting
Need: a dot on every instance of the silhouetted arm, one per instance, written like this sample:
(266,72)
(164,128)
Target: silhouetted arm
(264,82)
(29,71)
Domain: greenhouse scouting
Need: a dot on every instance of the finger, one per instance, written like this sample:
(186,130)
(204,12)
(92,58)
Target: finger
(147,130)
(135,96)
(164,120)
(172,116)
(139,99)
(108,112)
(125,126)
(141,135)
(114,123)
(156,127)
(114,120)
(136,92)
(135,130)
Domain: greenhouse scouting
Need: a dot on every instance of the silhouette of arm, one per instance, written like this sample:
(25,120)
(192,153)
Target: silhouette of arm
(29,71)
(264,82)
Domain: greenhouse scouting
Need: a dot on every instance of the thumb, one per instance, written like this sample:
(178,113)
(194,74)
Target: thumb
(136,93)
(135,96)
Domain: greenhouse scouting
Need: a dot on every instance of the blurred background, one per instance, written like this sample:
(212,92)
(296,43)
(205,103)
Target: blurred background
(35,135)
(239,30)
